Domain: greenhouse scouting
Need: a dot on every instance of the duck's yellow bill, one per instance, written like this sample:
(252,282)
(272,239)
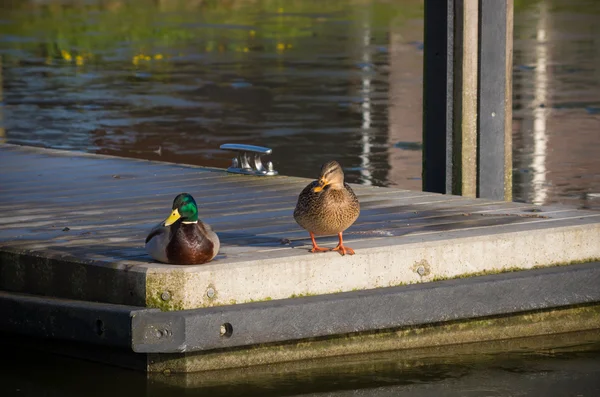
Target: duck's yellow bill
(320,186)
(172,218)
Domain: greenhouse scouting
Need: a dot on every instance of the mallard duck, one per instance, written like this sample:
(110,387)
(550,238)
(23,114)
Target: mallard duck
(183,239)
(327,206)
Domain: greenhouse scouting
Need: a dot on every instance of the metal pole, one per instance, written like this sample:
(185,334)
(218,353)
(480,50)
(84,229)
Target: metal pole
(438,86)
(467,98)
(508,154)
(493,100)
(464,170)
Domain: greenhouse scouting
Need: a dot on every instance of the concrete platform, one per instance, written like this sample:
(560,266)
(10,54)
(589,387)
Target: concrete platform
(429,269)
(72,225)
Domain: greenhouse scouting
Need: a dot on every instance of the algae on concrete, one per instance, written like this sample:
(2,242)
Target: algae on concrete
(172,283)
(400,360)
(528,324)
(298,276)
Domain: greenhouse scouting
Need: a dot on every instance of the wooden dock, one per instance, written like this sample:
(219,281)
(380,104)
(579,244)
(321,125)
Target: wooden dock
(72,247)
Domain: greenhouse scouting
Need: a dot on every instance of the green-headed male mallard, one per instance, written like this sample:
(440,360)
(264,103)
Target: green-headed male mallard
(327,206)
(183,239)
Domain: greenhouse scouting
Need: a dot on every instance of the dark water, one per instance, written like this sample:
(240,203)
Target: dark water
(313,80)
(567,365)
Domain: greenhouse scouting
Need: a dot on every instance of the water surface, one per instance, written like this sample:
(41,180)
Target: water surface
(173,80)
(566,365)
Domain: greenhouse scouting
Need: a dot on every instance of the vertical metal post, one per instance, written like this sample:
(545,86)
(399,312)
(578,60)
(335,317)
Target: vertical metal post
(508,107)
(464,169)
(492,98)
(438,75)
(467,104)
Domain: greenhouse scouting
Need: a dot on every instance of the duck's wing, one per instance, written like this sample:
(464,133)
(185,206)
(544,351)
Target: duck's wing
(210,237)
(305,198)
(157,231)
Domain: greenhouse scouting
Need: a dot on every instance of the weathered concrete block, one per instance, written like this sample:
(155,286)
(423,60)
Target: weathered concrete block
(83,237)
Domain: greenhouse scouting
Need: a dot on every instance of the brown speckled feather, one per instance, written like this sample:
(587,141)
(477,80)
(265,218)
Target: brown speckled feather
(327,212)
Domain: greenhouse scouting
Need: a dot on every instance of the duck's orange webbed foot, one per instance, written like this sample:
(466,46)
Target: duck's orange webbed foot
(319,249)
(315,247)
(342,249)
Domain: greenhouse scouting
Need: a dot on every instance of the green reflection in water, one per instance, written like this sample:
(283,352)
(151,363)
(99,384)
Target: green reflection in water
(152,31)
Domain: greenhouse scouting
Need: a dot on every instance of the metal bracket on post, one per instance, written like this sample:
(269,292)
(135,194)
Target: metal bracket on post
(248,161)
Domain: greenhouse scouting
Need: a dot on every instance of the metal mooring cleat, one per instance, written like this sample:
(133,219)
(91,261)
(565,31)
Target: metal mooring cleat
(248,160)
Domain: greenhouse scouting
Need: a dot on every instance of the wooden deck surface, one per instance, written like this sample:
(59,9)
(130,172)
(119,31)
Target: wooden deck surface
(96,210)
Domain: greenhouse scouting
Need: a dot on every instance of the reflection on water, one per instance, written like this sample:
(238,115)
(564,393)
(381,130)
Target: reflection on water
(172,80)
(308,79)
(540,139)
(562,365)
(557,103)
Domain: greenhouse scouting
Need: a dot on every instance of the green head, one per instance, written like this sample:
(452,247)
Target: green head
(184,208)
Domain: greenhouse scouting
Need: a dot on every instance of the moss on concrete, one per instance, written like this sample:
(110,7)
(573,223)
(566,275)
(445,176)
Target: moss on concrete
(455,356)
(176,281)
(268,298)
(172,282)
(536,323)
(422,268)
(305,294)
(512,269)
(576,262)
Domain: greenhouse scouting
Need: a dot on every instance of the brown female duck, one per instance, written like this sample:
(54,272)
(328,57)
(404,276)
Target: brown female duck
(183,239)
(327,206)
